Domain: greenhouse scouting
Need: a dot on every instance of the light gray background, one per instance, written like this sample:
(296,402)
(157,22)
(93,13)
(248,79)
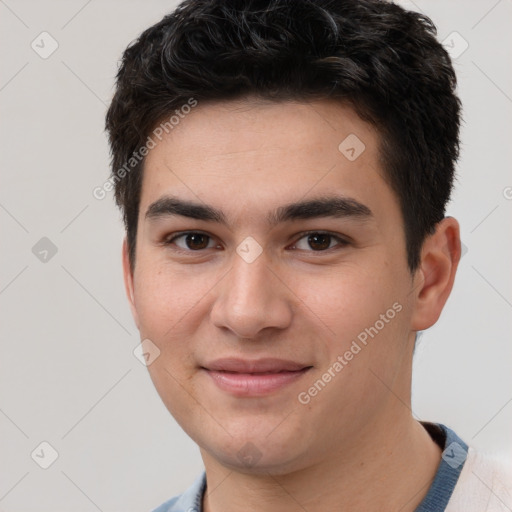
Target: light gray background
(68,373)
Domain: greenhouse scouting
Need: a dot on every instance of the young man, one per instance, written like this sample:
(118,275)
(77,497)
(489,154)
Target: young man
(283,168)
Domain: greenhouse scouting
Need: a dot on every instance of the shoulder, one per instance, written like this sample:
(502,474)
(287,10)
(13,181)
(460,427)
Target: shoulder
(189,501)
(168,506)
(485,483)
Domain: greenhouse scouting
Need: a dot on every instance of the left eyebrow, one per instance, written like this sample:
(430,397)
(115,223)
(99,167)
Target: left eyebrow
(330,206)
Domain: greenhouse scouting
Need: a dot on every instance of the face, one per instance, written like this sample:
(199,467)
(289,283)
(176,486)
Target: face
(271,274)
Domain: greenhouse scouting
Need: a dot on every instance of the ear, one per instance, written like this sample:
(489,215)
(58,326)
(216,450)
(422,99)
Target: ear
(128,282)
(433,281)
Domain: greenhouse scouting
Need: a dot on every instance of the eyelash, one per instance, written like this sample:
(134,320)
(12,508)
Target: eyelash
(341,241)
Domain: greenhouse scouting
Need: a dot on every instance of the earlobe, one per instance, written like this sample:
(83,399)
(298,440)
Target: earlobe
(128,282)
(435,276)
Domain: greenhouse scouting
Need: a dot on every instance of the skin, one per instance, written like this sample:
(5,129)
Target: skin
(355,445)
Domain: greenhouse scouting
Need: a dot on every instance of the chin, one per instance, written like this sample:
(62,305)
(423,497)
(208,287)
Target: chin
(258,454)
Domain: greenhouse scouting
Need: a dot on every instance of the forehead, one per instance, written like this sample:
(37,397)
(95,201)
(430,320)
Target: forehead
(215,129)
(253,153)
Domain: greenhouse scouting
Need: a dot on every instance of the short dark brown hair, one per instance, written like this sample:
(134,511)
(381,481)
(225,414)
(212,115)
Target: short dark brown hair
(376,56)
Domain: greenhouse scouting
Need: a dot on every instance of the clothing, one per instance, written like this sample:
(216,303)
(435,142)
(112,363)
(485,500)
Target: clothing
(465,481)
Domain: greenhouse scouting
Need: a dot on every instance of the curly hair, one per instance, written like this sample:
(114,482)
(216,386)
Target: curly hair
(382,60)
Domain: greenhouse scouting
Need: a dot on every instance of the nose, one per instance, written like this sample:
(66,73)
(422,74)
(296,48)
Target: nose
(252,298)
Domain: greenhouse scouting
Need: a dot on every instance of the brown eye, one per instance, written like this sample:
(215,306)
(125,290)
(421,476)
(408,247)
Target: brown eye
(191,241)
(196,241)
(317,241)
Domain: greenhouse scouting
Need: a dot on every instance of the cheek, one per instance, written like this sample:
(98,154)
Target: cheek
(362,326)
(165,307)
(168,306)
(362,318)
(346,301)
(164,298)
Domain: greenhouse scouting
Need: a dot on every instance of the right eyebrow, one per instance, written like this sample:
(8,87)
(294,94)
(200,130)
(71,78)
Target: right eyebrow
(170,206)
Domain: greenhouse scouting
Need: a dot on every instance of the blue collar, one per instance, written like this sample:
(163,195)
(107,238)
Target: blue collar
(455,451)
(452,460)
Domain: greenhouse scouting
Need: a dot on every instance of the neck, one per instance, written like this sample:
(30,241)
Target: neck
(384,469)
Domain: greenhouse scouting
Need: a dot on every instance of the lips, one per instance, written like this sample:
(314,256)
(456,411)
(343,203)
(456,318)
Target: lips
(257,366)
(245,378)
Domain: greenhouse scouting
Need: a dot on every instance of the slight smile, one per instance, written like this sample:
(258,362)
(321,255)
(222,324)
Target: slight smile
(244,378)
